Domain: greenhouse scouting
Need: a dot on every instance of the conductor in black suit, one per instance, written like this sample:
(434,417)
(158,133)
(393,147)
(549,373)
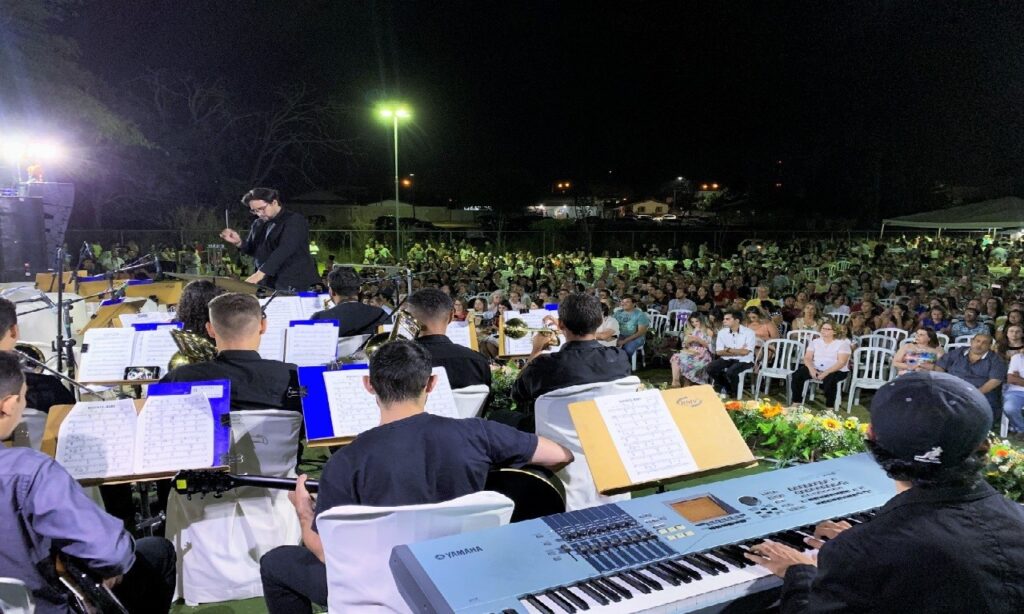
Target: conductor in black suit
(278,241)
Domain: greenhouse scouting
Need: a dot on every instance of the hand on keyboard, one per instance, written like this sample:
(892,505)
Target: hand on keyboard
(777,558)
(826,531)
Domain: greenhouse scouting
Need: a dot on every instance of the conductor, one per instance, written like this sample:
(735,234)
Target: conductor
(278,241)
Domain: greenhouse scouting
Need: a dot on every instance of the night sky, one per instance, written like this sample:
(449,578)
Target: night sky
(903,93)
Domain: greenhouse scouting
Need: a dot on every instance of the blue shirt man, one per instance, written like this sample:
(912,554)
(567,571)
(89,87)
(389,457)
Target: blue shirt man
(633,324)
(980,367)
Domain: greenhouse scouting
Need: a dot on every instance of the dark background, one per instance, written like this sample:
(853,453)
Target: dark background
(869,105)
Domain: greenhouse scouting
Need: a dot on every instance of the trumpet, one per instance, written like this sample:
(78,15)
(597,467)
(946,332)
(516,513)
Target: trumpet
(516,328)
(405,323)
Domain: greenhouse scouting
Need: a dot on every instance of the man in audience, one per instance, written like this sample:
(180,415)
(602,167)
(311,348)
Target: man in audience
(580,360)
(433,309)
(411,458)
(734,347)
(44,391)
(970,325)
(45,514)
(947,542)
(633,324)
(980,367)
(353,317)
(236,324)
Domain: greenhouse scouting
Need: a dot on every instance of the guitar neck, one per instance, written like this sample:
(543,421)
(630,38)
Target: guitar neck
(262,481)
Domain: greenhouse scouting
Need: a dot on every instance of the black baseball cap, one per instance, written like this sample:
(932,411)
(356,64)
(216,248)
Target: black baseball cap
(930,417)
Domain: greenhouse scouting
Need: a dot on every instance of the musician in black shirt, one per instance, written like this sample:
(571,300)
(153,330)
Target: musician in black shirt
(411,458)
(354,318)
(433,309)
(582,360)
(947,542)
(236,323)
(44,391)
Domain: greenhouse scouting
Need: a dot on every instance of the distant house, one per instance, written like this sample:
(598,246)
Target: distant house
(565,208)
(646,207)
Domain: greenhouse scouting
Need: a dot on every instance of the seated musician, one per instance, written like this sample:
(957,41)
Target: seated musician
(581,360)
(433,310)
(193,309)
(44,391)
(236,323)
(353,316)
(947,542)
(384,466)
(45,513)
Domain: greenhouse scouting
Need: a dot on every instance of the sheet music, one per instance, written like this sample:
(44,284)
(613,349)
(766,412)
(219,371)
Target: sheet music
(282,310)
(106,352)
(174,432)
(307,345)
(353,409)
(441,402)
(645,435)
(153,348)
(309,305)
(272,344)
(97,439)
(127,319)
(458,332)
(534,319)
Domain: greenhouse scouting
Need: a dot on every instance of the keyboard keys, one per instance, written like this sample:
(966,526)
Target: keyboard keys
(573,598)
(540,607)
(647,579)
(629,579)
(622,590)
(559,601)
(593,593)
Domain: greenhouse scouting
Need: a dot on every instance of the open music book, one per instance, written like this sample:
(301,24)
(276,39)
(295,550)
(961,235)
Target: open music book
(108,439)
(107,351)
(460,333)
(639,438)
(534,318)
(337,405)
(292,337)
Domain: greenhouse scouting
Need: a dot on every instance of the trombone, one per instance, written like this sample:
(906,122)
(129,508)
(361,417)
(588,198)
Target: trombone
(516,328)
(405,323)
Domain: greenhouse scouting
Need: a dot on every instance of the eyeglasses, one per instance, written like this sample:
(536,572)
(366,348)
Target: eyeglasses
(258,210)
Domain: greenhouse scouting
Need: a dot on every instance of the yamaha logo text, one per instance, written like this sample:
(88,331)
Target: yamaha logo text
(455,553)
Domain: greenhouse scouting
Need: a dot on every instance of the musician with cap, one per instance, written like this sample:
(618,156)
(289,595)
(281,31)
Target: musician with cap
(236,324)
(433,310)
(44,391)
(411,458)
(947,542)
(45,513)
(353,317)
(278,241)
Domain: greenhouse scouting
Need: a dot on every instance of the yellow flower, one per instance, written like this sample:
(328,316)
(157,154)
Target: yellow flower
(850,423)
(831,424)
(771,411)
(864,428)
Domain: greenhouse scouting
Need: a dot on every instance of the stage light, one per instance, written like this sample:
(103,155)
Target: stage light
(13,150)
(46,151)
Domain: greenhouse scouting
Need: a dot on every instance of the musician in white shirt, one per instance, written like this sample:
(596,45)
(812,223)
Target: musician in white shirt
(734,347)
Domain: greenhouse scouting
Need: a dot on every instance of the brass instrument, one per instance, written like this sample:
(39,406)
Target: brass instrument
(192,348)
(30,350)
(404,322)
(516,328)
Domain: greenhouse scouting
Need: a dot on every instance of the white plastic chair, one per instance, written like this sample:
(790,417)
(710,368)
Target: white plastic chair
(878,341)
(15,597)
(840,318)
(659,324)
(219,541)
(350,345)
(886,302)
(783,328)
(812,384)
(470,400)
(780,358)
(677,319)
(803,336)
(29,432)
(943,339)
(358,540)
(963,339)
(643,357)
(1004,427)
(952,347)
(871,369)
(554,422)
(896,333)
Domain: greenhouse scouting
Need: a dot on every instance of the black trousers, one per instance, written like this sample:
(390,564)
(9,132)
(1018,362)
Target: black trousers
(725,373)
(149,584)
(293,579)
(830,384)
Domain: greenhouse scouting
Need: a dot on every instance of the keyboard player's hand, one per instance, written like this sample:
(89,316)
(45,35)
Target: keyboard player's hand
(826,531)
(776,557)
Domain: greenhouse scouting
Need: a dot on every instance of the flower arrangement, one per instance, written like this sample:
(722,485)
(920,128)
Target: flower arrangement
(1005,470)
(501,386)
(794,433)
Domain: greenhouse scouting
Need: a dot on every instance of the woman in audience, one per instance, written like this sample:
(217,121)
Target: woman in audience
(1014,316)
(703,300)
(459,313)
(858,325)
(937,320)
(898,316)
(919,355)
(826,360)
(810,320)
(839,304)
(691,363)
(608,333)
(764,329)
(1011,341)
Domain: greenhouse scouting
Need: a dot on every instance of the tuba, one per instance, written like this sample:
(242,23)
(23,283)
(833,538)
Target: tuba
(516,328)
(192,348)
(405,326)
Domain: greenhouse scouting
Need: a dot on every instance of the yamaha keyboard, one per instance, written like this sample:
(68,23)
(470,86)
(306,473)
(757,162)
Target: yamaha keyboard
(679,551)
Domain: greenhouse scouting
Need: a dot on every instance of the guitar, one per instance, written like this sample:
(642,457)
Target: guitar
(86,594)
(536,491)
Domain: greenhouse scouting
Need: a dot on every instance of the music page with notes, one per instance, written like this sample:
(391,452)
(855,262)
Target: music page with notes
(97,439)
(174,432)
(311,344)
(105,354)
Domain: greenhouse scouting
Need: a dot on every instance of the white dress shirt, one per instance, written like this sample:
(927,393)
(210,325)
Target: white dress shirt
(743,338)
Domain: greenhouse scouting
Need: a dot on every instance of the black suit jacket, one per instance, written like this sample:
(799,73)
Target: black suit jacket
(464,366)
(283,254)
(354,318)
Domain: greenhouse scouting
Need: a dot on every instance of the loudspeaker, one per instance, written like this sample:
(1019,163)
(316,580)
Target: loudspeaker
(22,239)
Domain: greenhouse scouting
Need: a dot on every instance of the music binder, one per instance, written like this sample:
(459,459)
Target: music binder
(164,292)
(218,392)
(693,415)
(106,352)
(109,314)
(357,410)
(460,333)
(534,318)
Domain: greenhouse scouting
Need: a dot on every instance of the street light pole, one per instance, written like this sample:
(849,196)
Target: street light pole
(398,211)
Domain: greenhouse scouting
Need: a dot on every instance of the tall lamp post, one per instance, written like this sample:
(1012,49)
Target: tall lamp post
(396,112)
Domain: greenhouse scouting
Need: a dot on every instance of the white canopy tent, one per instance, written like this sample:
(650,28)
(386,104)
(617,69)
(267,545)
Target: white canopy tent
(1005,212)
